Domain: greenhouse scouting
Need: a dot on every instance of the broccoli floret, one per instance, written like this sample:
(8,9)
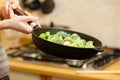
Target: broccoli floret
(67,43)
(89,44)
(82,43)
(68,39)
(63,34)
(75,36)
(44,35)
(55,38)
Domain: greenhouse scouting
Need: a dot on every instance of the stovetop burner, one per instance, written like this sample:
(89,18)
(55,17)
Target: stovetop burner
(31,53)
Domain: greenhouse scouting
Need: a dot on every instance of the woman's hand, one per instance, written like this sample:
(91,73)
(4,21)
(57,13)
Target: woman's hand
(20,23)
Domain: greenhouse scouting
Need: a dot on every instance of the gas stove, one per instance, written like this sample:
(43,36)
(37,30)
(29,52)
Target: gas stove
(30,53)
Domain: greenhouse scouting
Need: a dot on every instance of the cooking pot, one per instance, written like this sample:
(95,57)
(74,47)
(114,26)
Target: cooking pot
(62,50)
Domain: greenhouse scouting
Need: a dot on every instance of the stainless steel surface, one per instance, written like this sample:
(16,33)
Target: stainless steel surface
(75,63)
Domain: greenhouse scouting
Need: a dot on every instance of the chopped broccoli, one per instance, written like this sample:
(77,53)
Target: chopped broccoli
(75,36)
(82,43)
(55,38)
(62,34)
(89,44)
(44,35)
(64,38)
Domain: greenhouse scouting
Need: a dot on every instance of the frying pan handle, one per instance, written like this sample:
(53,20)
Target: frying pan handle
(99,49)
(20,12)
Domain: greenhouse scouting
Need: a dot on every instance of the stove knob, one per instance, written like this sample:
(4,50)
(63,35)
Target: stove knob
(97,64)
(105,59)
(116,53)
(108,58)
(101,61)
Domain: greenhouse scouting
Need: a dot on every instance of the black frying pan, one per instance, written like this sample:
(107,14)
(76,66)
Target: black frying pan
(62,50)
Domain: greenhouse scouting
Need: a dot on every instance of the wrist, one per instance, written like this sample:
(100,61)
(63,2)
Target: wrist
(5,24)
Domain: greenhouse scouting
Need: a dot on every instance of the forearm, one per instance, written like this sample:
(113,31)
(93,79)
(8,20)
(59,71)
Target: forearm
(4,24)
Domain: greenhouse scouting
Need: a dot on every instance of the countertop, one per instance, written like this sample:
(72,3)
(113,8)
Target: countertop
(109,73)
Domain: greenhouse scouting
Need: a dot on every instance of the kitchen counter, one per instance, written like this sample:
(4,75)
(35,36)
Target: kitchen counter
(46,72)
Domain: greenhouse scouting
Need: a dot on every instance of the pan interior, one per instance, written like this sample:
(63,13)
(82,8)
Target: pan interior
(37,32)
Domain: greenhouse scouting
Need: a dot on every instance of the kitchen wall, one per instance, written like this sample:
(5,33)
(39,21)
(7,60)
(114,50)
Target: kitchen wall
(98,18)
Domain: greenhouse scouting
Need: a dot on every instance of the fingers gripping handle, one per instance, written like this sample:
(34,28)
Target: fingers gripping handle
(34,25)
(20,12)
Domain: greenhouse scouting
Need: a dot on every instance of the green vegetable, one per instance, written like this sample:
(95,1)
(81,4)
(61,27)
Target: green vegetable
(44,35)
(55,38)
(82,43)
(64,38)
(89,44)
(62,34)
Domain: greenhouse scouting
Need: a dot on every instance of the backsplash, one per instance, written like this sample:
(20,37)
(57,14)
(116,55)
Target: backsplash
(98,18)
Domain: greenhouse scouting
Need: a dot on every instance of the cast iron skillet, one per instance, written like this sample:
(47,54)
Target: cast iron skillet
(61,50)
